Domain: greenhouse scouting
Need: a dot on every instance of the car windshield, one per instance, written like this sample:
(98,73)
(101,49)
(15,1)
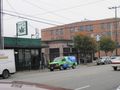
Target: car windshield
(103,57)
(116,58)
(58,59)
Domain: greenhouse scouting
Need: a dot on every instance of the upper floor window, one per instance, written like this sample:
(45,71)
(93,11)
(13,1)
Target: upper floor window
(106,26)
(56,32)
(72,29)
(52,32)
(118,24)
(61,31)
(103,26)
(82,28)
(89,28)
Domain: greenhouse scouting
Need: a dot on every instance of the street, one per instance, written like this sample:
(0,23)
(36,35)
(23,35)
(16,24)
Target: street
(84,77)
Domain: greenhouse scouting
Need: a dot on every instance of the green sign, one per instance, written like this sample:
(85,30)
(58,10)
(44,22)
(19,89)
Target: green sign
(21,28)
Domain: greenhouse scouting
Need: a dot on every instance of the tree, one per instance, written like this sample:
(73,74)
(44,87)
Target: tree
(85,44)
(106,45)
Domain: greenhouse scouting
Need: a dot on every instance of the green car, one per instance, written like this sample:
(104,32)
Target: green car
(63,62)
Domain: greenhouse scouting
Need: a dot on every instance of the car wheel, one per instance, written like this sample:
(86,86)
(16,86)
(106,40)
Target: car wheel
(73,66)
(64,68)
(51,69)
(105,63)
(98,64)
(5,74)
(115,68)
(61,67)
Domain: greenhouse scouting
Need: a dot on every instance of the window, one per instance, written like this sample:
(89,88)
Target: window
(118,24)
(103,26)
(58,32)
(21,55)
(72,29)
(108,33)
(89,28)
(81,28)
(52,32)
(61,31)
(59,38)
(34,52)
(106,26)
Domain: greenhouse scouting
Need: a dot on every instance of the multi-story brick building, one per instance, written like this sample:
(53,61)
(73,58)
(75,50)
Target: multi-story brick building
(58,38)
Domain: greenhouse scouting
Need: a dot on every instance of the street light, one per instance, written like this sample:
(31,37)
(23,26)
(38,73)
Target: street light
(116,36)
(98,44)
(1,25)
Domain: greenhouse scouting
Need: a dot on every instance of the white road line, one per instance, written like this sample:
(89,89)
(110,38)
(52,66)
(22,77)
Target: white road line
(82,87)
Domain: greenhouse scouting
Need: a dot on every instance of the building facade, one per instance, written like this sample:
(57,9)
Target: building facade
(27,51)
(59,38)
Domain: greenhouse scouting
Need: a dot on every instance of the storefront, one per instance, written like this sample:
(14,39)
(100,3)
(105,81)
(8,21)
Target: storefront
(27,52)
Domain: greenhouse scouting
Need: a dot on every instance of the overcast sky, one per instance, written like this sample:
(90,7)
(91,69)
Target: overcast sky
(50,13)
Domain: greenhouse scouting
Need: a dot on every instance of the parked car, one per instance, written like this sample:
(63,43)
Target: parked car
(115,62)
(114,58)
(103,60)
(63,62)
(118,88)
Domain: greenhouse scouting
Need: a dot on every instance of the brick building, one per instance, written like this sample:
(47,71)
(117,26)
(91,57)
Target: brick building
(59,38)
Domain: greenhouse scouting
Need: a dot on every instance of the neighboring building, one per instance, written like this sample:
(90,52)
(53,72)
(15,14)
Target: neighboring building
(27,52)
(58,38)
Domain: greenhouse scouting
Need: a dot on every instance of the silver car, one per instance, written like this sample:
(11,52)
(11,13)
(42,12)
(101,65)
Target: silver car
(118,88)
(104,60)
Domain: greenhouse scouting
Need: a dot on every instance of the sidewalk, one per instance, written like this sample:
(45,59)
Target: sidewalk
(89,64)
(47,70)
(21,85)
(92,64)
(32,71)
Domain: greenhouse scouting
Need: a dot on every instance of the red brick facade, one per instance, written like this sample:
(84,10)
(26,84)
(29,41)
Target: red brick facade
(105,27)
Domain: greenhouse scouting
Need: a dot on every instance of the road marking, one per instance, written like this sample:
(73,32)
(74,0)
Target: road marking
(82,87)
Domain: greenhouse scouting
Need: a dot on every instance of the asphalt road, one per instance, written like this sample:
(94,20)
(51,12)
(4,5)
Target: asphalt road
(82,78)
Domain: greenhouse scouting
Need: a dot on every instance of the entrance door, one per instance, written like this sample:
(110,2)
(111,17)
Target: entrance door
(27,59)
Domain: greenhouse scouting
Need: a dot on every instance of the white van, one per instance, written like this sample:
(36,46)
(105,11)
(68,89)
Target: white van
(7,63)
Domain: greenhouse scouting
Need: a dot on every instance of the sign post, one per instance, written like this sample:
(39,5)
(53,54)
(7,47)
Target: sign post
(98,44)
(1,26)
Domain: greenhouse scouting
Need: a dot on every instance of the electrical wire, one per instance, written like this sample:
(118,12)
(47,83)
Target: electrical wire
(32,16)
(11,8)
(73,7)
(27,18)
(28,15)
(53,13)
(10,5)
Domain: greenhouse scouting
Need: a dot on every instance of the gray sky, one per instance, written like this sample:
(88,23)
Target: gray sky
(55,12)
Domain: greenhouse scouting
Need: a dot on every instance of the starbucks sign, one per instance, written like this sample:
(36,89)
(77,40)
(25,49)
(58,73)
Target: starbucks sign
(21,28)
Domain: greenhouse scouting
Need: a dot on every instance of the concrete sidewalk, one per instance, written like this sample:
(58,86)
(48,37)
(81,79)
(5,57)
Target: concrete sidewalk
(21,85)
(47,70)
(32,71)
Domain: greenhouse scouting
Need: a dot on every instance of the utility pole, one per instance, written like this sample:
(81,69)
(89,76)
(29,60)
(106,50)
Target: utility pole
(1,25)
(116,27)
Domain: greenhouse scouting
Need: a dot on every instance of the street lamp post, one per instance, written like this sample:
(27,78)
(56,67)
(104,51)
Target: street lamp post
(1,25)
(98,44)
(116,27)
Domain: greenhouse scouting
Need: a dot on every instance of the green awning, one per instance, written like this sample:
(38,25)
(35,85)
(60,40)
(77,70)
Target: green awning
(22,42)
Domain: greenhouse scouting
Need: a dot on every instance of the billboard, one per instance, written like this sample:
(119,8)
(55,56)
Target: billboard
(21,28)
